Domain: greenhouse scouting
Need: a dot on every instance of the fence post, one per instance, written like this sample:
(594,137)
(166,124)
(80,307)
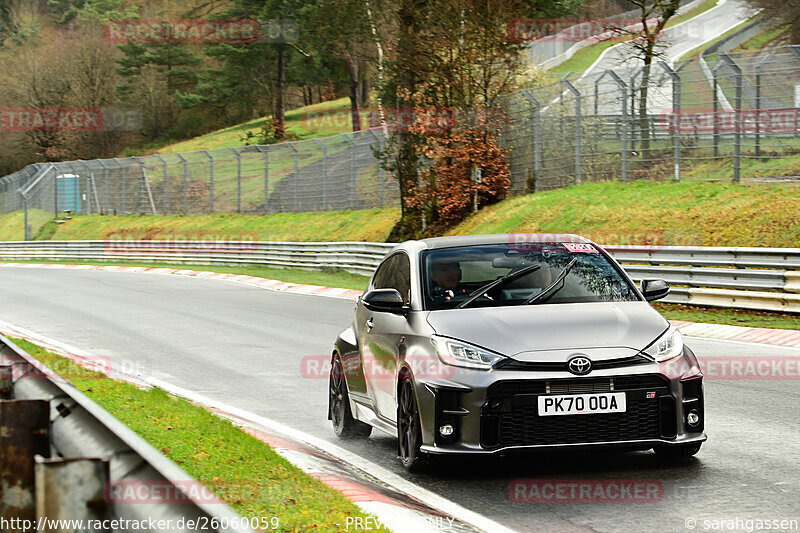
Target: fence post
(124,171)
(263,150)
(107,201)
(164,199)
(578,127)
(324,174)
(676,113)
(55,185)
(185,183)
(211,181)
(624,100)
(352,170)
(379,138)
(92,189)
(537,139)
(715,99)
(238,179)
(737,132)
(295,177)
(758,103)
(27,231)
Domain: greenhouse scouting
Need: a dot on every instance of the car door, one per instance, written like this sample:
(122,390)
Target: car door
(381,339)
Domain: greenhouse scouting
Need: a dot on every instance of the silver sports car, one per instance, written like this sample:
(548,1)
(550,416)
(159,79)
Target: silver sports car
(489,344)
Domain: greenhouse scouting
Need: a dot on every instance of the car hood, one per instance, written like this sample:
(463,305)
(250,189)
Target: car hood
(516,331)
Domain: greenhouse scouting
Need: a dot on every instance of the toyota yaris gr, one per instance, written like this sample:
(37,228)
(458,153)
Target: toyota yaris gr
(499,343)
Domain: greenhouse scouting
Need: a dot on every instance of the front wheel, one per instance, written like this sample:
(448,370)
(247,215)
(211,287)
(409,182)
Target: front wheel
(677,453)
(409,431)
(344,425)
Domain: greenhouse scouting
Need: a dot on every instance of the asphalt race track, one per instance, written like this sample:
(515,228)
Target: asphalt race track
(243,346)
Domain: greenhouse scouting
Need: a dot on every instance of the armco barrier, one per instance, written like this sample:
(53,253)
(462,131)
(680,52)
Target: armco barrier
(741,277)
(61,455)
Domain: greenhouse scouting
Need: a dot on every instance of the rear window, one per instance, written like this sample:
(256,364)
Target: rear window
(452,275)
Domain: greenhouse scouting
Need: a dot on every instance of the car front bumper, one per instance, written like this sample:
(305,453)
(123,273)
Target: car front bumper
(495,412)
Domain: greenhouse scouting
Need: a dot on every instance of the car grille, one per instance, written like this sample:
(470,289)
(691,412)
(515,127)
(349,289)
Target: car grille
(510,415)
(541,366)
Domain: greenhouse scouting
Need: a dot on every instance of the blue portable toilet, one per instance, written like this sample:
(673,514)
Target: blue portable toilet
(68,186)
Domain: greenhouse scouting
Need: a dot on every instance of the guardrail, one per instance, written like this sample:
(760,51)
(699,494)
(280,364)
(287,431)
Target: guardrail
(62,457)
(741,277)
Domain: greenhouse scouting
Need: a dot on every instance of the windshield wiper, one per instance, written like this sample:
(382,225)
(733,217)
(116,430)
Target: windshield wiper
(511,276)
(551,289)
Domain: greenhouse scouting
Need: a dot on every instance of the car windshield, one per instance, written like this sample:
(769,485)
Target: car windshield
(456,277)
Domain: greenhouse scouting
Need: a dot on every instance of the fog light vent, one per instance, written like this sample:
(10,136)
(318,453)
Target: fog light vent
(446,430)
(693,418)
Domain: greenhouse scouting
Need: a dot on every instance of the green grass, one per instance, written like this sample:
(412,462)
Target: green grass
(766,39)
(12,225)
(661,213)
(733,317)
(695,52)
(243,471)
(366,225)
(585,57)
(318,120)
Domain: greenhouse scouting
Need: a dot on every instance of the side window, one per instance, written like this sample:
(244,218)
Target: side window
(403,277)
(382,279)
(395,273)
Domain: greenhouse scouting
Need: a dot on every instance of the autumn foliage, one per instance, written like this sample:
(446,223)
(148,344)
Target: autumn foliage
(466,167)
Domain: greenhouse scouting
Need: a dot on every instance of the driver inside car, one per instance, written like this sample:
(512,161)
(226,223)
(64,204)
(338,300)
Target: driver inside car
(446,277)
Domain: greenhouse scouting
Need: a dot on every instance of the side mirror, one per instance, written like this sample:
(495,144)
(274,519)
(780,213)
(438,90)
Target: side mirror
(654,289)
(384,301)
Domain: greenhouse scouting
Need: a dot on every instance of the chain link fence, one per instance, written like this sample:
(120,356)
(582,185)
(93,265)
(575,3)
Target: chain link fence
(730,116)
(340,172)
(721,116)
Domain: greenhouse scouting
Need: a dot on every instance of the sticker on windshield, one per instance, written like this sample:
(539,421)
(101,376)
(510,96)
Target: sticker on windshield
(580,247)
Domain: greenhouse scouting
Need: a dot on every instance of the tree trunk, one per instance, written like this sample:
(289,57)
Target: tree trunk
(407,58)
(354,111)
(280,89)
(364,92)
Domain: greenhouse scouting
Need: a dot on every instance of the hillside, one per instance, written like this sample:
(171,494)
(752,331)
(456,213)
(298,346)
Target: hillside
(643,212)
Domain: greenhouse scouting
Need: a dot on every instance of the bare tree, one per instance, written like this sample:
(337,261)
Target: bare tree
(647,45)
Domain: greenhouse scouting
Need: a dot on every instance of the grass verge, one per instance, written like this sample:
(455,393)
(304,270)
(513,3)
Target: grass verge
(732,317)
(648,212)
(240,469)
(371,225)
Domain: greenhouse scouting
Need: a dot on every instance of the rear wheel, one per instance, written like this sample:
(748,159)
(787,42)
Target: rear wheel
(344,425)
(409,431)
(677,453)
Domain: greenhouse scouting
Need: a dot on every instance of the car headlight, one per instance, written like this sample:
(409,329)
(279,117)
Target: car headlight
(457,353)
(667,347)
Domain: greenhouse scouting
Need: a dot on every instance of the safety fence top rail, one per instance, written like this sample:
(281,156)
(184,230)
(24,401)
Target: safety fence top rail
(80,430)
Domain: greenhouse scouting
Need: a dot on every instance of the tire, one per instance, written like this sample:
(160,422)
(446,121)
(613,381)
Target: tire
(344,425)
(677,453)
(409,430)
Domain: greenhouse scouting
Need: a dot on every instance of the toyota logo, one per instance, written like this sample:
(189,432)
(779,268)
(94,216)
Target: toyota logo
(579,365)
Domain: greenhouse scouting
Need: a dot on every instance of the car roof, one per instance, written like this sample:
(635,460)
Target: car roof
(500,238)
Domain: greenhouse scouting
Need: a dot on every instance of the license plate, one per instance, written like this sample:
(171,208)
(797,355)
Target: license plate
(582,404)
